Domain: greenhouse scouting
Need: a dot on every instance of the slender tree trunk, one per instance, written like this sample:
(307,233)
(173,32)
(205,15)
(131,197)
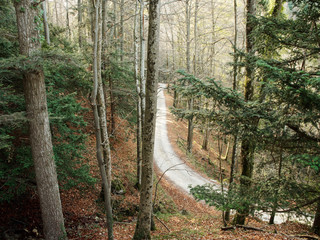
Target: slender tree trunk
(195,37)
(188,35)
(144,217)
(56,11)
(277,8)
(234,87)
(112,106)
(99,143)
(277,189)
(142,62)
(37,114)
(80,23)
(102,109)
(248,145)
(138,89)
(121,32)
(45,23)
(190,101)
(67,20)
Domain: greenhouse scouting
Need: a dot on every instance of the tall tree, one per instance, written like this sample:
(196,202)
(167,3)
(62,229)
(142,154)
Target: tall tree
(234,87)
(102,140)
(145,208)
(138,89)
(190,100)
(28,21)
(248,145)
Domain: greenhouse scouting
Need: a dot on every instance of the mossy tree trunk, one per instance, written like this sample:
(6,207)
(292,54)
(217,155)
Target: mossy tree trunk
(28,21)
(143,227)
(248,145)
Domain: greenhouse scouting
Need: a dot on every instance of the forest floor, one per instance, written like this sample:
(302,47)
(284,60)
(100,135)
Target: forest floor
(178,215)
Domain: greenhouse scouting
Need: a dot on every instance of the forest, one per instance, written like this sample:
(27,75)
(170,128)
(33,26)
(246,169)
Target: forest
(172,119)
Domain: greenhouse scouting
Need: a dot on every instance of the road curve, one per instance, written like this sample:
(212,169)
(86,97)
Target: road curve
(180,174)
(165,157)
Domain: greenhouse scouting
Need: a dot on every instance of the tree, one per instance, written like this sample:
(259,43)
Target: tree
(28,21)
(102,139)
(138,89)
(190,100)
(45,23)
(145,207)
(248,145)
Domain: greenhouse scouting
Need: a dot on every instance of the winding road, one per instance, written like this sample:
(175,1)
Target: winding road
(165,157)
(178,172)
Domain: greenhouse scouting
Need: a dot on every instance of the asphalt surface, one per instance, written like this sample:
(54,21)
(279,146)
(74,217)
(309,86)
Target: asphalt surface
(179,174)
(166,159)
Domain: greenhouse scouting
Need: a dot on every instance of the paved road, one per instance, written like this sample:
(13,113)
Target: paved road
(165,157)
(179,173)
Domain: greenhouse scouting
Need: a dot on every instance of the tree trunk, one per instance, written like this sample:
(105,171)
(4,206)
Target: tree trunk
(99,144)
(121,32)
(144,217)
(190,127)
(190,101)
(68,21)
(142,62)
(248,145)
(138,89)
(56,11)
(316,223)
(45,23)
(37,114)
(102,109)
(234,87)
(80,23)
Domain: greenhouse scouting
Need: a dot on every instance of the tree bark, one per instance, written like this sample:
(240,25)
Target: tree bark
(99,143)
(234,87)
(138,89)
(80,23)
(121,32)
(190,101)
(45,23)
(144,217)
(142,62)
(27,15)
(316,222)
(248,145)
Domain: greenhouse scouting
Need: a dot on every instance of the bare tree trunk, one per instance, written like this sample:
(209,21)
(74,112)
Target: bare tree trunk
(121,32)
(67,19)
(190,101)
(138,89)
(234,87)
(102,110)
(37,114)
(195,57)
(80,23)
(45,23)
(99,143)
(142,62)
(144,217)
(56,10)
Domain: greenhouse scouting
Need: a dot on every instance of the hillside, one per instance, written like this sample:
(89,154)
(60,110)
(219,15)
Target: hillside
(178,216)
